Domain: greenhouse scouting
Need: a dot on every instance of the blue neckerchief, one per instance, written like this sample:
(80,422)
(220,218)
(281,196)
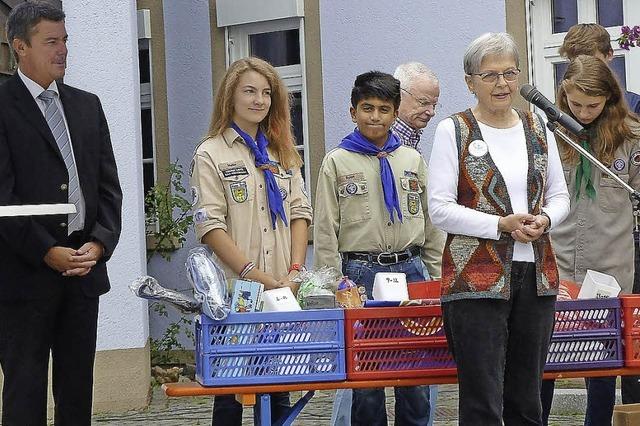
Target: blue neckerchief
(355,142)
(262,162)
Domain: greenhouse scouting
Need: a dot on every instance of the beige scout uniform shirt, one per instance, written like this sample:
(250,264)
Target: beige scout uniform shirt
(350,214)
(230,193)
(598,234)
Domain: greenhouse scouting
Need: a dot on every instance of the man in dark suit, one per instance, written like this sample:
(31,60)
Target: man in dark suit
(54,148)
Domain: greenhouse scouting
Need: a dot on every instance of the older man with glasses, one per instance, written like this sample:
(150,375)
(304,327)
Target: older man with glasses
(419,102)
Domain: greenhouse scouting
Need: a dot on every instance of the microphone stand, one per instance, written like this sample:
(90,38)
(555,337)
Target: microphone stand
(634,195)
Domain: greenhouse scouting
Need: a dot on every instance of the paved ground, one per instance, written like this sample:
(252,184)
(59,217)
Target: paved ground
(165,411)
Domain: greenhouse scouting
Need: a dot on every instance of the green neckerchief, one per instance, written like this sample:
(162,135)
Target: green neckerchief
(584,172)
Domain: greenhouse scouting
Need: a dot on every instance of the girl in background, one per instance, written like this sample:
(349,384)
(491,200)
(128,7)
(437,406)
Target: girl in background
(597,234)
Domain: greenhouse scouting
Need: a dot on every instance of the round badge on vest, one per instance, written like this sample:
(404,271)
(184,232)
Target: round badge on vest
(478,148)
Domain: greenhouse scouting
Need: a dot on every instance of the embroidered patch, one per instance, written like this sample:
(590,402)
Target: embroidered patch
(618,165)
(351,188)
(350,178)
(195,195)
(236,171)
(478,148)
(200,216)
(410,174)
(410,184)
(239,191)
(635,158)
(413,203)
(283,193)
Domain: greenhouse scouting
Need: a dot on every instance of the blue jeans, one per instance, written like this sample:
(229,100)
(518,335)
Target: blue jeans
(368,406)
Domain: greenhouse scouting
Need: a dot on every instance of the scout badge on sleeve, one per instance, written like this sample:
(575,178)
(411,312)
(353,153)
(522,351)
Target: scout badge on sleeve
(618,165)
(239,191)
(200,215)
(635,158)
(413,202)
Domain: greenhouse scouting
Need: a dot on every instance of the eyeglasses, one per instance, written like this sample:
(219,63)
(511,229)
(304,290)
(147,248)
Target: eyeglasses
(492,77)
(434,106)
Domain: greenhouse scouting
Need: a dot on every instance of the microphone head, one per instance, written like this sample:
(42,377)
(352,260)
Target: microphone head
(527,91)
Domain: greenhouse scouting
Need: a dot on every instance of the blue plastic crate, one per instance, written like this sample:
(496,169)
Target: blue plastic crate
(271,347)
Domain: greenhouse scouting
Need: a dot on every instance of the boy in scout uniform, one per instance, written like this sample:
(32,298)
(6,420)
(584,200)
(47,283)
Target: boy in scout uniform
(371,216)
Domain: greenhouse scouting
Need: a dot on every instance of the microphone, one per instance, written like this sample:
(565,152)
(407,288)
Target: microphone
(553,113)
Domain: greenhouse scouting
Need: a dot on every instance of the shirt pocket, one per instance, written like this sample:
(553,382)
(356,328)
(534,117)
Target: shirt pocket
(410,199)
(239,189)
(612,196)
(354,201)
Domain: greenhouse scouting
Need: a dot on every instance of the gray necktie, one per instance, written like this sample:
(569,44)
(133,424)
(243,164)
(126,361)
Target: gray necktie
(54,118)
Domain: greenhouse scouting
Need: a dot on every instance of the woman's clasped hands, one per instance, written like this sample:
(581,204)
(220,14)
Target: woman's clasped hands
(523,227)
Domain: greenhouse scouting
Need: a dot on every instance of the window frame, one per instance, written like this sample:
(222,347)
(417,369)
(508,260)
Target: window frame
(294,76)
(543,44)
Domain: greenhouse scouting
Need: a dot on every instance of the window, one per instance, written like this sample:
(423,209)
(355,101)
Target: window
(565,14)
(280,42)
(550,19)
(146,115)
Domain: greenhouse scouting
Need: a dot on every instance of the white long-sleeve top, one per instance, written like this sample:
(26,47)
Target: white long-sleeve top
(508,150)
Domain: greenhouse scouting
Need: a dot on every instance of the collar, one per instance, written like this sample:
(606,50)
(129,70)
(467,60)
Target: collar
(230,136)
(34,88)
(405,128)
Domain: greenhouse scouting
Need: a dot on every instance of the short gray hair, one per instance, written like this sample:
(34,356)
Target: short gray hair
(489,44)
(27,15)
(409,71)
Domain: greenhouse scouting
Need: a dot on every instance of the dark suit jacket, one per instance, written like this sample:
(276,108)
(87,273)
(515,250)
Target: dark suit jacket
(32,171)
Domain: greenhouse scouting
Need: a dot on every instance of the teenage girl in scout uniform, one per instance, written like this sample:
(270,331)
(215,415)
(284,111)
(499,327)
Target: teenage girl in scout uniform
(597,234)
(251,207)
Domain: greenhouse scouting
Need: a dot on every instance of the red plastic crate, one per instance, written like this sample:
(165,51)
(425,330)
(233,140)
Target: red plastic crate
(630,314)
(401,361)
(405,342)
(632,350)
(424,289)
(631,329)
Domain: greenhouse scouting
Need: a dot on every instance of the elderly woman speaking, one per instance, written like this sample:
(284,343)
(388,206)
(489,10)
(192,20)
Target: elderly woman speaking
(496,187)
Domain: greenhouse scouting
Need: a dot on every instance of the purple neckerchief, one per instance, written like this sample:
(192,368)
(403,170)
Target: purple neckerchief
(262,162)
(355,142)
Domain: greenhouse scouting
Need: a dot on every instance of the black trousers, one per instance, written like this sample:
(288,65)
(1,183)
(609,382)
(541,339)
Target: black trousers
(500,348)
(65,326)
(228,412)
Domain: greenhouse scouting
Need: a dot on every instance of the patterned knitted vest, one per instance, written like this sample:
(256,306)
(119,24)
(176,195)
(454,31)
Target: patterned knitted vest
(481,268)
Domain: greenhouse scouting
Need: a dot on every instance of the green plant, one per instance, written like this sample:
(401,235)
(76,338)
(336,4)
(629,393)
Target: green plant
(167,214)
(168,220)
(163,349)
